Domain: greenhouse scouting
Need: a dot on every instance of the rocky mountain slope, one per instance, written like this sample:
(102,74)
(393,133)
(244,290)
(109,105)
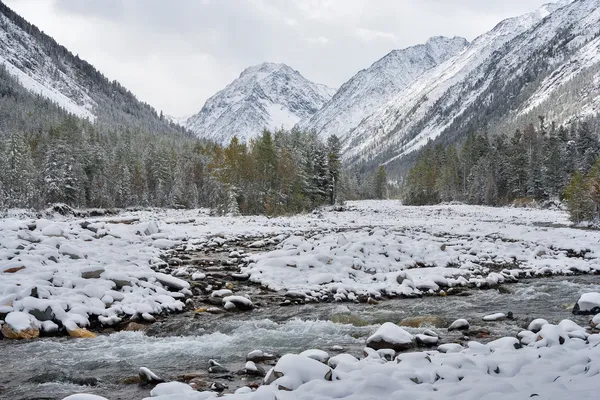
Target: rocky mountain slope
(541,63)
(375,86)
(264,96)
(46,68)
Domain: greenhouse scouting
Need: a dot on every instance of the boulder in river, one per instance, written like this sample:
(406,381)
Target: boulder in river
(149,377)
(495,317)
(588,304)
(233,303)
(422,321)
(391,336)
(20,325)
(459,325)
(259,356)
(81,333)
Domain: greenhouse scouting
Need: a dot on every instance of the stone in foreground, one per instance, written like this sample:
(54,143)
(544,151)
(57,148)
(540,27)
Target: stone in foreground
(391,336)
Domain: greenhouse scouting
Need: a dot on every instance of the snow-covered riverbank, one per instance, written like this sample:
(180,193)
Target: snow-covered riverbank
(68,272)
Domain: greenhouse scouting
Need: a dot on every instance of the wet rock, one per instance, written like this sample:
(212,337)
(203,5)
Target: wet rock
(425,340)
(431,333)
(495,317)
(422,321)
(588,304)
(149,377)
(479,333)
(232,303)
(504,290)
(258,356)
(216,368)
(81,333)
(136,327)
(199,384)
(218,387)
(240,277)
(254,370)
(459,325)
(10,333)
(391,336)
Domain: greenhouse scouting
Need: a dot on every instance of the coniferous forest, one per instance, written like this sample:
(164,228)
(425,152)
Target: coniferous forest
(48,156)
(543,163)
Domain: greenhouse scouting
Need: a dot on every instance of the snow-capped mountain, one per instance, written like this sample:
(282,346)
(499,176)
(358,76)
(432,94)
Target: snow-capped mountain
(44,67)
(378,84)
(545,62)
(264,96)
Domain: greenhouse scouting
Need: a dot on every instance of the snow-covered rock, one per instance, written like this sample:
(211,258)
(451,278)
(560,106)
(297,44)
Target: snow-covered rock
(172,282)
(537,324)
(588,304)
(316,354)
(495,317)
(292,371)
(459,325)
(390,336)
(237,303)
(20,325)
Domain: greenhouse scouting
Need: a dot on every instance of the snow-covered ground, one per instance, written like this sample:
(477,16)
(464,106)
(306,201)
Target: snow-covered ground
(63,273)
(67,272)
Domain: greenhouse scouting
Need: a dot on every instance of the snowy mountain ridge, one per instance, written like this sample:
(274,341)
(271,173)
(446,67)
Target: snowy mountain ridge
(375,86)
(36,71)
(268,95)
(44,67)
(509,74)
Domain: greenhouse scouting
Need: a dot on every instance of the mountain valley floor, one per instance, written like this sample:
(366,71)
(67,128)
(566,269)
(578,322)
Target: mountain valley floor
(201,287)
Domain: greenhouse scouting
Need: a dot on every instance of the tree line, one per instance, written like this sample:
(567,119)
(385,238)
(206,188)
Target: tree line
(540,162)
(276,173)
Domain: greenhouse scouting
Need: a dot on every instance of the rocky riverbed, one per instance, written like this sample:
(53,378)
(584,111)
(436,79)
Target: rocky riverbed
(180,347)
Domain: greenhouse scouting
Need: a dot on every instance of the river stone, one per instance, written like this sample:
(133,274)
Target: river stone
(459,325)
(259,356)
(46,315)
(136,327)
(422,321)
(149,377)
(9,333)
(588,304)
(82,333)
(425,340)
(92,272)
(391,336)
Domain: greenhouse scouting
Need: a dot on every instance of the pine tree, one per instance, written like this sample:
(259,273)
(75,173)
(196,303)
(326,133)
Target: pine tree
(380,183)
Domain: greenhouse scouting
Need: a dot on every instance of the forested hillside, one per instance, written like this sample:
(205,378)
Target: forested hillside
(540,162)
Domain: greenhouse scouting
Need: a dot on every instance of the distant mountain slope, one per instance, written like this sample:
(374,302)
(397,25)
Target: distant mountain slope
(46,68)
(381,82)
(505,77)
(264,96)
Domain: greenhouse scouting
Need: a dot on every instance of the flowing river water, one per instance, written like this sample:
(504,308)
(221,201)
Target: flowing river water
(53,368)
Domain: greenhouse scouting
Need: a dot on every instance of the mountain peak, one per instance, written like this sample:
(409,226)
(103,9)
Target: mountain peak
(267,95)
(265,69)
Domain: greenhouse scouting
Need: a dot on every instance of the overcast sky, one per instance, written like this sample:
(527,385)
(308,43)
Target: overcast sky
(174,54)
